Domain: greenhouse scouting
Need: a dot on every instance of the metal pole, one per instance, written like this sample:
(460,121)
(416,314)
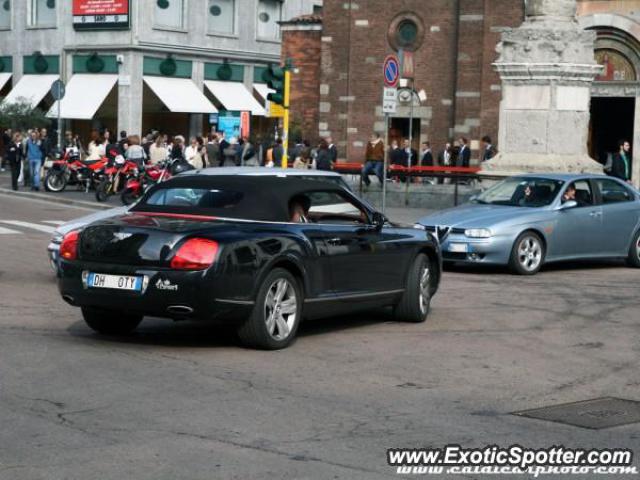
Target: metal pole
(386,162)
(408,178)
(285,127)
(59,129)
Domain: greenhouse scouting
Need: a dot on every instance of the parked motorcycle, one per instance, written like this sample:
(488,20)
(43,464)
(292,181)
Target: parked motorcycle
(71,170)
(115,177)
(136,186)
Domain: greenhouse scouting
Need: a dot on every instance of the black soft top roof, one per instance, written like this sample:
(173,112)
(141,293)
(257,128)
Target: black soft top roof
(261,198)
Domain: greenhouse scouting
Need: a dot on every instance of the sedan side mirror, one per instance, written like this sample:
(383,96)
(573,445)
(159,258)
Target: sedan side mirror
(568,205)
(378,220)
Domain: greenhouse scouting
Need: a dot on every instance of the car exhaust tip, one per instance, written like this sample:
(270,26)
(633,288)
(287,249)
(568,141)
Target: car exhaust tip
(69,299)
(180,310)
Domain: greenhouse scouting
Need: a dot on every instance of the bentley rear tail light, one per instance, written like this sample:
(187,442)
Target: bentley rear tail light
(69,246)
(195,254)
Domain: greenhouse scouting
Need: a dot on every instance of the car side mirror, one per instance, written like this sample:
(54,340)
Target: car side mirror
(378,220)
(568,205)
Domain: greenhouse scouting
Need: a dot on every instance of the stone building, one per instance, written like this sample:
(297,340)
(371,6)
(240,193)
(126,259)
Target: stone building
(454,44)
(139,64)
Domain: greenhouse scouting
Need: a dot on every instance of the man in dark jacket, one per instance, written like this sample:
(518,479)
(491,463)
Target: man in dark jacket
(6,140)
(333,150)
(464,155)
(15,155)
(396,155)
(223,145)
(278,153)
(409,155)
(621,162)
(488,150)
(426,156)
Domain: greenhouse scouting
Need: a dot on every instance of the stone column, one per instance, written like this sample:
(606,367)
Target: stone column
(547,67)
(130,88)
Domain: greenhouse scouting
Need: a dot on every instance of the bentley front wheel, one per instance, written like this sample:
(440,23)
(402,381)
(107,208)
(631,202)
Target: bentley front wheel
(276,314)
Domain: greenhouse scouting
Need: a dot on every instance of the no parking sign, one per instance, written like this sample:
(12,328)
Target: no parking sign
(391,71)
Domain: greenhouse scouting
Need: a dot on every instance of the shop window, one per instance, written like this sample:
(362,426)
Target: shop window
(170,13)
(269,14)
(43,13)
(5,14)
(222,16)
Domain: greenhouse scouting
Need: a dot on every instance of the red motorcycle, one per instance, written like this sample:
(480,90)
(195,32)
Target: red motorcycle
(114,177)
(136,186)
(71,170)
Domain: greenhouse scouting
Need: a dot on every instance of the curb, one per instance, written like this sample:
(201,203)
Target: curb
(44,197)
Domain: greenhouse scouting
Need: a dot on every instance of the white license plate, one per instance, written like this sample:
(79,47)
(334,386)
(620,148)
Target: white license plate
(458,247)
(116,282)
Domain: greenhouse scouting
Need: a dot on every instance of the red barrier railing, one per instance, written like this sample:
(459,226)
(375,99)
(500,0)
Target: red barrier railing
(399,171)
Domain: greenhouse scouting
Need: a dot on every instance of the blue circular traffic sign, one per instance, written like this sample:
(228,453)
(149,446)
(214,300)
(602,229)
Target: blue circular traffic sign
(391,71)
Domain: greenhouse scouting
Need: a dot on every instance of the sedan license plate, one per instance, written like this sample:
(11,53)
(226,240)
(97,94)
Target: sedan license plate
(116,282)
(458,248)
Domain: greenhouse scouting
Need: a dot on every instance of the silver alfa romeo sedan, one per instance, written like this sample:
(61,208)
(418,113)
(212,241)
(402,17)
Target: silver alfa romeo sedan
(529,220)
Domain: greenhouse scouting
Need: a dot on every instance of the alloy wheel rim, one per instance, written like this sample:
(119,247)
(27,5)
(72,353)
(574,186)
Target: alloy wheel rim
(280,309)
(638,248)
(530,253)
(425,286)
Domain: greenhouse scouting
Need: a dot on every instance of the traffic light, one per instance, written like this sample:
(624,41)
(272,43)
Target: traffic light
(276,82)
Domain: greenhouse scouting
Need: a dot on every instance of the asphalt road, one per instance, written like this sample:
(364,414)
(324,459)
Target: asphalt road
(184,401)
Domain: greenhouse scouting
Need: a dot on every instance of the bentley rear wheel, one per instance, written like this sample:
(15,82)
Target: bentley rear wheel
(527,254)
(416,301)
(276,314)
(110,322)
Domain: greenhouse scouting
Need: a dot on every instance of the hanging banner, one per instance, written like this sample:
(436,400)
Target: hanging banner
(101,14)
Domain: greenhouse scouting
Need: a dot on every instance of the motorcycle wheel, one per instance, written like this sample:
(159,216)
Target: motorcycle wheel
(102,190)
(55,181)
(128,196)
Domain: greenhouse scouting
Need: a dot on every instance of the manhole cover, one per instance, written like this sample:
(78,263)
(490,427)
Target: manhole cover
(594,414)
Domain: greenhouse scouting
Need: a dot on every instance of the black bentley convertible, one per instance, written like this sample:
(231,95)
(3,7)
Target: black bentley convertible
(263,252)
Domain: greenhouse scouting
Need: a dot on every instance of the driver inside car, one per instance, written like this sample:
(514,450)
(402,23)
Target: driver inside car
(299,209)
(569,194)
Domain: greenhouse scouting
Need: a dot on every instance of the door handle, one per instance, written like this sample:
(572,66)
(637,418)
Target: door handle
(595,214)
(335,241)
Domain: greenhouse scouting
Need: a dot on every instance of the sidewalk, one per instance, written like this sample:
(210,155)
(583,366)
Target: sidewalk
(71,196)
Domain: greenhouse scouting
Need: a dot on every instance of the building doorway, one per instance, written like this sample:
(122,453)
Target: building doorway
(612,120)
(399,130)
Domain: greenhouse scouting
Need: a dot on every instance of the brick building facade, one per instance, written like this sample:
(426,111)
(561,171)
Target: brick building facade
(454,47)
(340,58)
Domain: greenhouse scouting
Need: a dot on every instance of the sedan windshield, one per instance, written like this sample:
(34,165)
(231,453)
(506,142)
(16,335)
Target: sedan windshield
(522,192)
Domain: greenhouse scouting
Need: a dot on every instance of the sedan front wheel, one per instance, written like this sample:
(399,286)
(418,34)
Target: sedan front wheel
(527,254)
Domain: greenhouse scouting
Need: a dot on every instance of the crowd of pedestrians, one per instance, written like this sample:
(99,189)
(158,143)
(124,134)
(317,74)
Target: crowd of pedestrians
(402,154)
(28,153)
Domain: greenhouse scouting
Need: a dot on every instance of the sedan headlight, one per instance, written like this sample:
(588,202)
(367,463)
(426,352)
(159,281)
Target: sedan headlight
(478,233)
